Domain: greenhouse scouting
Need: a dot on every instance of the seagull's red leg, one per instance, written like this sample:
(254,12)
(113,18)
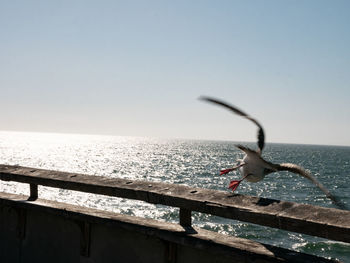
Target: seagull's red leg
(226,171)
(235,183)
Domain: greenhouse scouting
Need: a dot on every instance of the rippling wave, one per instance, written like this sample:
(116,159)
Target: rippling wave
(190,162)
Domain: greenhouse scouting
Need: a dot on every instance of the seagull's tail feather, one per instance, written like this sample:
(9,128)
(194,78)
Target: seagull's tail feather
(244,148)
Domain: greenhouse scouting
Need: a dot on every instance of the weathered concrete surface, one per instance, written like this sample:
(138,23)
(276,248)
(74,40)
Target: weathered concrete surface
(317,221)
(48,231)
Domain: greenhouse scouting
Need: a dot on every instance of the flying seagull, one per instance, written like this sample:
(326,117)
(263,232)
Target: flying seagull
(253,167)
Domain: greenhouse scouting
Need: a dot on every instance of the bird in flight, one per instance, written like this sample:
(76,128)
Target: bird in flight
(254,167)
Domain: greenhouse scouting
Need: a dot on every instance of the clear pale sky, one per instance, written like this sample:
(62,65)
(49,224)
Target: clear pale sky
(137,68)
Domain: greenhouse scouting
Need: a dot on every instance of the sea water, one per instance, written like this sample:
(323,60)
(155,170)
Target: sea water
(190,162)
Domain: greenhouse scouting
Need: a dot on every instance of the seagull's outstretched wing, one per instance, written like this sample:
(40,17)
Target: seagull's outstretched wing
(301,171)
(261,136)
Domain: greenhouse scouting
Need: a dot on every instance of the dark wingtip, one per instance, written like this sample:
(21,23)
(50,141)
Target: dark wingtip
(261,139)
(204,98)
(261,135)
(338,203)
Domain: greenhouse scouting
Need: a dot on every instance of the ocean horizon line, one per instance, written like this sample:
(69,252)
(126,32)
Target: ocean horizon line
(168,138)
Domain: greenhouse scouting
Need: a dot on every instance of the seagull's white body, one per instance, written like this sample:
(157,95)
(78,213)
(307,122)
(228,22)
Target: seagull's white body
(253,168)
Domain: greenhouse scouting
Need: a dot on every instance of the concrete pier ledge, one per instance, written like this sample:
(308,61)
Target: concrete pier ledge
(37,230)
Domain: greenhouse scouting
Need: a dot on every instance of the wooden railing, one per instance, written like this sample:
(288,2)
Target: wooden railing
(317,221)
